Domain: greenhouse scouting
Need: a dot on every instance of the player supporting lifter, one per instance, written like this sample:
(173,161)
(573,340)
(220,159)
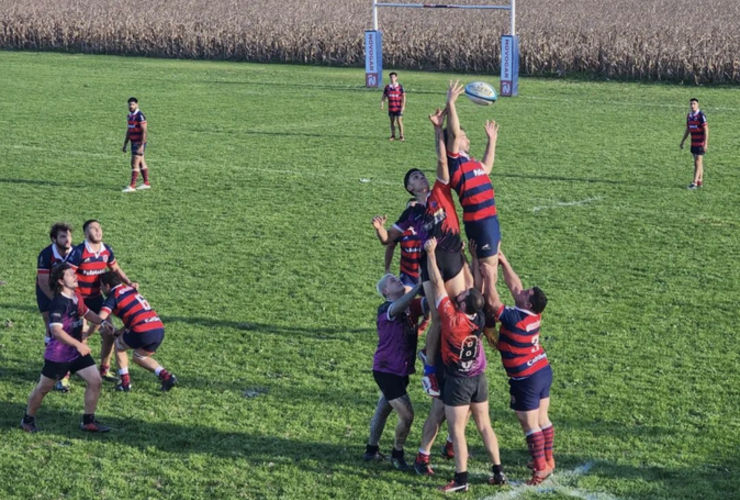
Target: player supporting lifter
(525,361)
(466,387)
(143,330)
(49,258)
(470,179)
(66,351)
(137,134)
(90,259)
(393,363)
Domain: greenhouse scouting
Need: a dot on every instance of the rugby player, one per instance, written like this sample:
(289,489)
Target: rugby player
(697,127)
(143,330)
(396,97)
(66,351)
(90,259)
(526,364)
(465,387)
(137,134)
(49,258)
(410,251)
(393,363)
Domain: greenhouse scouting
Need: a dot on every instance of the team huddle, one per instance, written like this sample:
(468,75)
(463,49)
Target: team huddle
(438,283)
(77,289)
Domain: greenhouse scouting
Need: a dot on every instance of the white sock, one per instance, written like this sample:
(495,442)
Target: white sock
(158,370)
(423,452)
(123,371)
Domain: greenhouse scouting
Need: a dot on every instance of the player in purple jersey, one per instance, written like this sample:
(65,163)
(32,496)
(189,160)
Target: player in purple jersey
(393,363)
(50,257)
(67,352)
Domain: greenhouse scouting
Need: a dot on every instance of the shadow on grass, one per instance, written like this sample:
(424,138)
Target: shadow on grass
(33,182)
(562,179)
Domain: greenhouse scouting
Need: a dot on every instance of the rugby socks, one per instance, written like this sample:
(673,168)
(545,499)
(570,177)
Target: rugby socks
(88,418)
(549,434)
(396,453)
(125,377)
(28,419)
(497,469)
(104,369)
(372,450)
(162,373)
(423,452)
(461,477)
(134,177)
(536,445)
(145,174)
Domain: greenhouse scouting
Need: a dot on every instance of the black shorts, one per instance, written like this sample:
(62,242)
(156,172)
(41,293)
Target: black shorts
(392,386)
(148,341)
(395,114)
(57,371)
(95,304)
(697,150)
(450,264)
(461,391)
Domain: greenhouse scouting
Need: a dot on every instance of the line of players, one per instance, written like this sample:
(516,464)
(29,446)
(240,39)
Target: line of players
(85,282)
(465,307)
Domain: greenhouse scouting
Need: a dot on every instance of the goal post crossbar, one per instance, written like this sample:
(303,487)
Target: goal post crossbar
(511,7)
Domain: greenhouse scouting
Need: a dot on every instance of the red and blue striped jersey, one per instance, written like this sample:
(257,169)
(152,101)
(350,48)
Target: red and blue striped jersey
(519,342)
(473,186)
(49,258)
(394,94)
(461,347)
(89,266)
(697,124)
(135,312)
(410,252)
(135,131)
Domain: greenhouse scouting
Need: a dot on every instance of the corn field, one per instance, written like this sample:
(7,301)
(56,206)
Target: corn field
(691,41)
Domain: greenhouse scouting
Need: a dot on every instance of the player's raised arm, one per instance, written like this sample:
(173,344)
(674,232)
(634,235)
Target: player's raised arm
(453,123)
(390,249)
(404,302)
(490,274)
(434,275)
(490,154)
(117,269)
(386,237)
(478,283)
(510,277)
(438,119)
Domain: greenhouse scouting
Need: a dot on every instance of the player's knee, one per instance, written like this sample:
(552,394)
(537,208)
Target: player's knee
(140,358)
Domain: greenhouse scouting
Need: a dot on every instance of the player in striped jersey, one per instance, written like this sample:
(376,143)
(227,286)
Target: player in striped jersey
(396,97)
(526,364)
(697,127)
(411,250)
(143,330)
(90,259)
(136,132)
(470,179)
(49,258)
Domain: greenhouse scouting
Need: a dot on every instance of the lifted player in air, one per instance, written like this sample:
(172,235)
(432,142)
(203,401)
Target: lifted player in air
(49,258)
(90,259)
(137,134)
(143,331)
(525,361)
(66,351)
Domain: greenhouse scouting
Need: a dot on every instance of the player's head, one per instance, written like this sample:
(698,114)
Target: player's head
(61,235)
(393,76)
(463,142)
(109,281)
(415,181)
(694,104)
(93,231)
(470,301)
(62,276)
(390,287)
(133,104)
(533,299)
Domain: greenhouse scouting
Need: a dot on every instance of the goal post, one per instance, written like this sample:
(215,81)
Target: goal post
(509,45)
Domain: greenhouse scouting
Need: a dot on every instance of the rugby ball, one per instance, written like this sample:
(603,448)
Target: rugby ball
(480,93)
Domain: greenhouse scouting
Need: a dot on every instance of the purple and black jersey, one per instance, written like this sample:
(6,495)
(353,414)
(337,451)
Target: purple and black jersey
(68,313)
(397,338)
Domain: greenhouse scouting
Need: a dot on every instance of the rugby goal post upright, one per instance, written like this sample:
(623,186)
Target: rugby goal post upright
(509,45)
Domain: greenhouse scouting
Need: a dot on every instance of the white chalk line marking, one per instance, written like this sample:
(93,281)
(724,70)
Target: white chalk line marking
(567,204)
(560,482)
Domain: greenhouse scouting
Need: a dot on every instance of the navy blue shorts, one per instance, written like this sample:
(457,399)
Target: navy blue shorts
(138,149)
(95,304)
(148,341)
(408,280)
(697,150)
(527,392)
(42,300)
(395,113)
(486,233)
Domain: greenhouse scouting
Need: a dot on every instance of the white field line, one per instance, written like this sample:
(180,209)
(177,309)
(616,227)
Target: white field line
(567,204)
(626,103)
(560,482)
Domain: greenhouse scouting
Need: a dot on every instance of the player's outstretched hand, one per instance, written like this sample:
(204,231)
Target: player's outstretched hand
(473,249)
(135,285)
(491,130)
(454,91)
(379,221)
(430,245)
(438,118)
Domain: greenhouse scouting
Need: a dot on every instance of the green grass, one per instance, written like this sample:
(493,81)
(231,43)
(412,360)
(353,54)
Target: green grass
(255,246)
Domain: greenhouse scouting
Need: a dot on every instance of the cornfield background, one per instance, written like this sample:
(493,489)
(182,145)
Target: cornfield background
(691,41)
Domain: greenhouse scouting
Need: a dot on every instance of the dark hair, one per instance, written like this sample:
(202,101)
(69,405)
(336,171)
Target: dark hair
(538,300)
(59,227)
(392,73)
(111,279)
(56,274)
(407,177)
(133,99)
(474,302)
(694,99)
(87,223)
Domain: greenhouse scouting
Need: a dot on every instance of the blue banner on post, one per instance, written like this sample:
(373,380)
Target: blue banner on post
(373,59)
(509,66)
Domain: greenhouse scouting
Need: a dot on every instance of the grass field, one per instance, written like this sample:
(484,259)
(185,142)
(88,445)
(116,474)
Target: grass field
(255,246)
